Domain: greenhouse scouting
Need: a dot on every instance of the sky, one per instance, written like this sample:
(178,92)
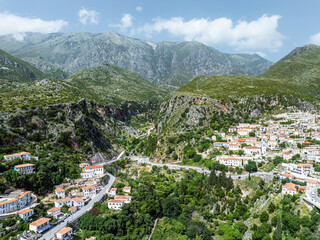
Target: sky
(269,28)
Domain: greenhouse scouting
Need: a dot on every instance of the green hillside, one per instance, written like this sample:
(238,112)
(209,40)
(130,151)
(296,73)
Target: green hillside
(111,84)
(14,69)
(301,67)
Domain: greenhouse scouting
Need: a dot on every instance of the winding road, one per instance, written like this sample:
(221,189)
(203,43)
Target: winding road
(50,234)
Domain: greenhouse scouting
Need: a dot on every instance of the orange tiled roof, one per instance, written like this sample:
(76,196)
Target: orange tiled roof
(312,181)
(24,165)
(122,197)
(23,194)
(77,199)
(62,200)
(53,209)
(40,221)
(25,211)
(16,154)
(65,230)
(8,201)
(113,189)
(290,186)
(93,167)
(59,190)
(116,201)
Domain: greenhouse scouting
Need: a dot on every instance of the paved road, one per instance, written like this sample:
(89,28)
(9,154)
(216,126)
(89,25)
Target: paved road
(198,169)
(50,234)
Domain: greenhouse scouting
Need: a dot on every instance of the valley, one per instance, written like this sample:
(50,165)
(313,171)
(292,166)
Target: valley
(173,140)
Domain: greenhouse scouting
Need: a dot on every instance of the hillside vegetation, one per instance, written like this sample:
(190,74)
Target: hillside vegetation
(14,69)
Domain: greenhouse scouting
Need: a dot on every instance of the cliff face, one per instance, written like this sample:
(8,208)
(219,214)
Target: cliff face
(87,128)
(181,113)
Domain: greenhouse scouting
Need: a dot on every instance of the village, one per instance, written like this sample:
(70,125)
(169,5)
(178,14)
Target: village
(66,200)
(292,138)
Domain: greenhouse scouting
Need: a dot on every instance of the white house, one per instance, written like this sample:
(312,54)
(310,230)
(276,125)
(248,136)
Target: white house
(24,168)
(54,211)
(78,202)
(24,199)
(58,203)
(65,233)
(60,192)
(21,155)
(83,165)
(287,155)
(235,147)
(115,204)
(290,189)
(312,183)
(304,169)
(40,225)
(234,161)
(72,210)
(89,191)
(113,191)
(317,158)
(25,214)
(93,171)
(15,204)
(251,150)
(127,199)
(127,189)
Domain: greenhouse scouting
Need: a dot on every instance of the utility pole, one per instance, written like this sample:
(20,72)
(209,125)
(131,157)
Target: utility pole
(197,85)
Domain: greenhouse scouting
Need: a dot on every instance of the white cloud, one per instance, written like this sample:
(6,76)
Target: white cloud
(16,25)
(88,16)
(315,39)
(126,22)
(139,8)
(249,36)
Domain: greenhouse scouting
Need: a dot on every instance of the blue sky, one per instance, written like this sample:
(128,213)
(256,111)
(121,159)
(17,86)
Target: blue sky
(270,28)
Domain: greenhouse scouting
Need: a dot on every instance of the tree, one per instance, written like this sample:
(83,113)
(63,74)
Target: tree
(171,206)
(271,207)
(251,166)
(264,217)
(277,235)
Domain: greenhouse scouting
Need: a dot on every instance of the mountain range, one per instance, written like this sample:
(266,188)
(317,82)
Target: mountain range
(166,64)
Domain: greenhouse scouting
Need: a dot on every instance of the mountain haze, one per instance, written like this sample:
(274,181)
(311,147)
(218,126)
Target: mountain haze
(166,64)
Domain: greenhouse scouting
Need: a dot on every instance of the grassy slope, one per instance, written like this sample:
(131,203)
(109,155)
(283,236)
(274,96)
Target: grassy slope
(14,69)
(297,74)
(112,84)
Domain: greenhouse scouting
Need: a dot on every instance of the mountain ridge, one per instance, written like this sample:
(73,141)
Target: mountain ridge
(166,64)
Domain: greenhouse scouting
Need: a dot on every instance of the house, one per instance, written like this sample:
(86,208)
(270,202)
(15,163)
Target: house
(63,201)
(304,169)
(26,213)
(234,147)
(127,189)
(115,204)
(234,161)
(113,191)
(24,199)
(93,171)
(54,211)
(287,155)
(9,206)
(91,238)
(65,233)
(83,165)
(317,158)
(89,191)
(78,202)
(24,168)
(312,183)
(40,225)
(290,189)
(287,175)
(60,192)
(252,150)
(72,210)
(127,199)
(21,155)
